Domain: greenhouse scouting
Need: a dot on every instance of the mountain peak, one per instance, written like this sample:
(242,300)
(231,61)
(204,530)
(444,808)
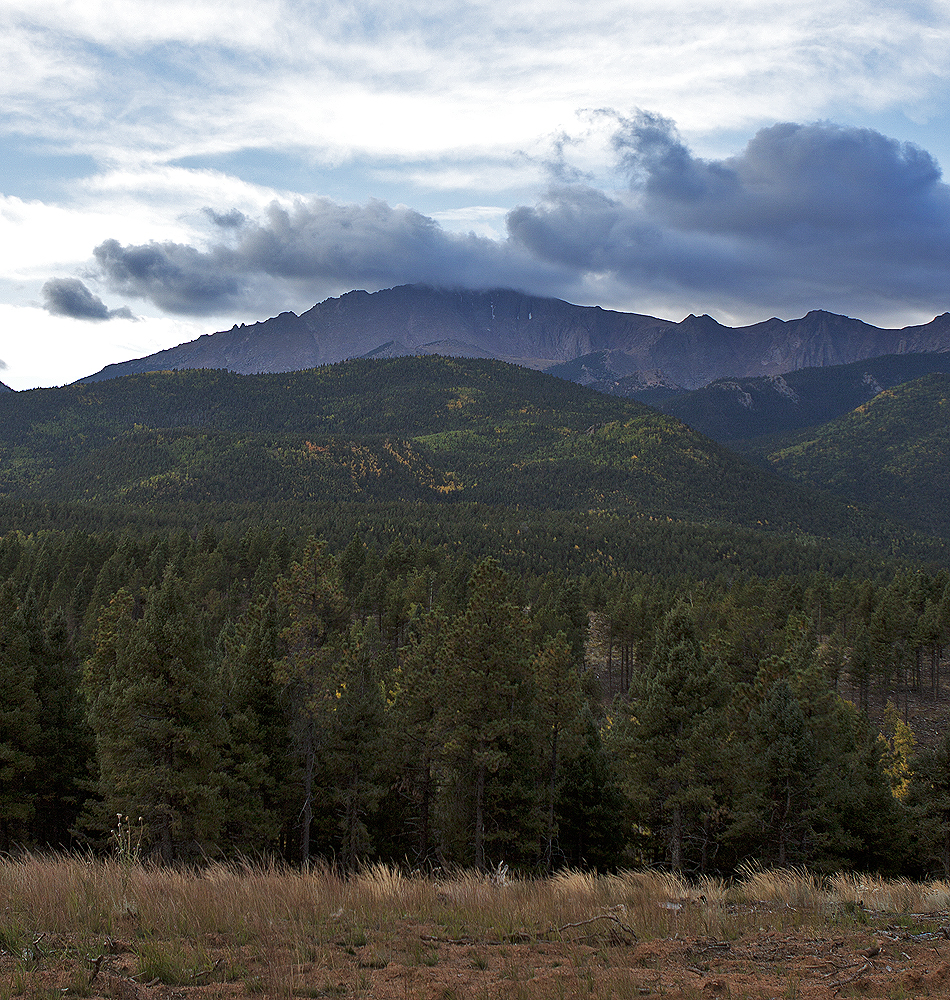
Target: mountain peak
(535,332)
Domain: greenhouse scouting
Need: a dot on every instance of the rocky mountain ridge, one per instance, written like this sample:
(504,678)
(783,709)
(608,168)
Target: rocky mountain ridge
(536,332)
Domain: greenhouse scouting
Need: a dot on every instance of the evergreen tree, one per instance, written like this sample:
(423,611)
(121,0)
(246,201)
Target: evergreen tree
(355,754)
(418,699)
(778,779)
(64,749)
(487,673)
(313,601)
(929,801)
(674,737)
(155,710)
(257,760)
(19,722)
(558,690)
(593,817)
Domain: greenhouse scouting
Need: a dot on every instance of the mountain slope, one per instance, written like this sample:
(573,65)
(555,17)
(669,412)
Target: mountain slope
(893,451)
(739,409)
(410,429)
(535,332)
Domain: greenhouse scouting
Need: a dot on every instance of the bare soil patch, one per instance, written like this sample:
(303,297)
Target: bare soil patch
(888,957)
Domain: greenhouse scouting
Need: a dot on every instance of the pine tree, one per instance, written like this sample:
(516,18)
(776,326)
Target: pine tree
(486,663)
(19,722)
(593,817)
(675,735)
(779,775)
(156,713)
(64,750)
(929,800)
(257,760)
(311,597)
(558,692)
(355,754)
(418,700)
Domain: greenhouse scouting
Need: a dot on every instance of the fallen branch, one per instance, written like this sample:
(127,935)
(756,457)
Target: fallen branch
(850,979)
(600,916)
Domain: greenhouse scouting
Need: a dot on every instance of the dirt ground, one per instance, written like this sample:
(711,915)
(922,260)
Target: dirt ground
(888,957)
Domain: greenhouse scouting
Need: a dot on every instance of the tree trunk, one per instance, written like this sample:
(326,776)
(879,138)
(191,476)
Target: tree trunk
(552,789)
(307,811)
(425,809)
(480,817)
(676,839)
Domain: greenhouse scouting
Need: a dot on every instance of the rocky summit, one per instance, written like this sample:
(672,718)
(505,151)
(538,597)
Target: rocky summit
(539,333)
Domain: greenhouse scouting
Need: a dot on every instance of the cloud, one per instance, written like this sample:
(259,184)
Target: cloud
(232,219)
(336,79)
(70,297)
(311,245)
(806,216)
(3,365)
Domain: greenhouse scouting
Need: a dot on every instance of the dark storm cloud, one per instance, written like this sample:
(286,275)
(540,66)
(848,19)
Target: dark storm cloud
(176,277)
(317,242)
(806,216)
(70,297)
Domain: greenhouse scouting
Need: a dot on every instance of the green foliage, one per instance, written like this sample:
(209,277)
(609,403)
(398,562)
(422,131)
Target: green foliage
(594,818)
(313,604)
(414,686)
(487,716)
(740,409)
(893,451)
(470,431)
(155,711)
(19,722)
(674,736)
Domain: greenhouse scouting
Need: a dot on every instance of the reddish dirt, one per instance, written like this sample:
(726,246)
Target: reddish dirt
(887,959)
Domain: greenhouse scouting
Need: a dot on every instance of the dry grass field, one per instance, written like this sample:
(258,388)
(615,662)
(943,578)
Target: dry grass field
(71,927)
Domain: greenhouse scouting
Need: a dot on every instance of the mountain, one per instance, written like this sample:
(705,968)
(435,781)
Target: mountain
(419,430)
(732,410)
(892,452)
(5,388)
(614,372)
(410,429)
(550,472)
(535,332)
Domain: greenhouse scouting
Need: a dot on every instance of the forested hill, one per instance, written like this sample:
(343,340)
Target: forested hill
(434,430)
(739,409)
(894,452)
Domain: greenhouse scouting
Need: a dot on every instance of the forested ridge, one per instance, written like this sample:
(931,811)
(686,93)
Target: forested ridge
(892,452)
(744,409)
(419,430)
(549,672)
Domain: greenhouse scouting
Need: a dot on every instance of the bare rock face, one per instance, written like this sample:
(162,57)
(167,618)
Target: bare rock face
(538,333)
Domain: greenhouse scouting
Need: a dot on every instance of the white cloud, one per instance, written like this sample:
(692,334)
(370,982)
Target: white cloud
(170,78)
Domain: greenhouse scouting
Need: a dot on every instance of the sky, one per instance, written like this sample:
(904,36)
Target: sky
(169,168)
